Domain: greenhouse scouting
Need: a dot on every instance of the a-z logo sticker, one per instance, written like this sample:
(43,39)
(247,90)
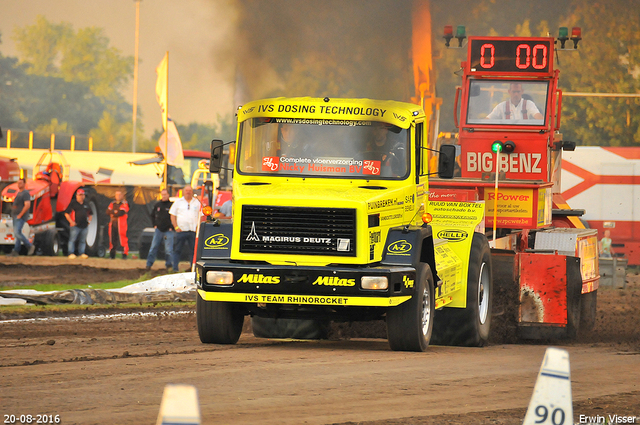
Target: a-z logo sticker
(217,241)
(270,163)
(371,167)
(452,235)
(400,247)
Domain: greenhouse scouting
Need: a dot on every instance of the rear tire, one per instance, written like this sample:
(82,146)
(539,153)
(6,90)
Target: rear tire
(409,325)
(218,322)
(470,326)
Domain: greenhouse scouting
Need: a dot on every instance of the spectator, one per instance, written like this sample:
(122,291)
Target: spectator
(185,217)
(606,251)
(118,211)
(20,215)
(163,231)
(225,209)
(79,216)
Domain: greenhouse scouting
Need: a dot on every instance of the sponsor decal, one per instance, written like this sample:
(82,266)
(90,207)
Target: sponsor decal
(454,235)
(371,168)
(258,278)
(391,217)
(342,244)
(408,283)
(401,247)
(513,162)
(296,299)
(270,163)
(253,236)
(374,237)
(334,281)
(217,241)
(381,204)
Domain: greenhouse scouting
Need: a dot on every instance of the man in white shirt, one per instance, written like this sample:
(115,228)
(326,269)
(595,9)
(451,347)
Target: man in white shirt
(185,217)
(515,108)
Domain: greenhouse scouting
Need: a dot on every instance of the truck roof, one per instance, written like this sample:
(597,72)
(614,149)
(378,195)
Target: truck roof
(400,114)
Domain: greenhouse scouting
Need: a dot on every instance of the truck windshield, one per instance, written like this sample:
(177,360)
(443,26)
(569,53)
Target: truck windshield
(323,148)
(494,102)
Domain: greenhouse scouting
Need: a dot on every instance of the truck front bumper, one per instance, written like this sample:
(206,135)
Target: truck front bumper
(328,286)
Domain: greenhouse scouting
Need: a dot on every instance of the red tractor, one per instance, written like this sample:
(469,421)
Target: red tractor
(51,192)
(509,155)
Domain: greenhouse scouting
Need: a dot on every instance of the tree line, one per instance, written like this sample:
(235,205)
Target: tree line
(68,81)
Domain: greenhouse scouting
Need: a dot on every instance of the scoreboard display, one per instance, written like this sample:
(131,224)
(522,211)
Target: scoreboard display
(496,55)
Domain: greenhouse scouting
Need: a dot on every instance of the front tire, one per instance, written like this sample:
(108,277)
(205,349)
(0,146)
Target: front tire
(470,326)
(218,322)
(410,324)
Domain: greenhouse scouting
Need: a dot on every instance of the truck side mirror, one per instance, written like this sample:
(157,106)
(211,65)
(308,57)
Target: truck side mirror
(215,164)
(446,161)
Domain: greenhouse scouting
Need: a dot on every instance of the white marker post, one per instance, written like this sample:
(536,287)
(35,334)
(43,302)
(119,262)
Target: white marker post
(551,402)
(179,405)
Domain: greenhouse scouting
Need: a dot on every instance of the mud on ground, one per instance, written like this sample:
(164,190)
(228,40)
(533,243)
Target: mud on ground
(31,349)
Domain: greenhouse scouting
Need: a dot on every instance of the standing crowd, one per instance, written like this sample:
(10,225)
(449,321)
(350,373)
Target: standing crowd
(175,225)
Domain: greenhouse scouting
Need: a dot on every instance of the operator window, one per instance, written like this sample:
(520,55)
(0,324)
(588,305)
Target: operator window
(500,102)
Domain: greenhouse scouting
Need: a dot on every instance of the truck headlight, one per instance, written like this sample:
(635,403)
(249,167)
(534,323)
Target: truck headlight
(219,278)
(374,282)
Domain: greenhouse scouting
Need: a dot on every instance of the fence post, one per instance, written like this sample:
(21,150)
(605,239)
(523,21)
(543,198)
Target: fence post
(30,140)
(53,141)
(90,144)
(73,143)
(8,139)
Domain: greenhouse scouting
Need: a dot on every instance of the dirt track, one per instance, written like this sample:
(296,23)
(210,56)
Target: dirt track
(113,369)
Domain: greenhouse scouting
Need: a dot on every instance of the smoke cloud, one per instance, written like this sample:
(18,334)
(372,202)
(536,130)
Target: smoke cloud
(332,48)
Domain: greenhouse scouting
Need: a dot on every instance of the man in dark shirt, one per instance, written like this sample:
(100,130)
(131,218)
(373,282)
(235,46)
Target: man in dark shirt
(118,211)
(78,214)
(20,214)
(163,231)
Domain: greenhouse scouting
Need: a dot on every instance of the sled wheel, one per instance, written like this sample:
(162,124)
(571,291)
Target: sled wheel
(409,325)
(470,326)
(218,322)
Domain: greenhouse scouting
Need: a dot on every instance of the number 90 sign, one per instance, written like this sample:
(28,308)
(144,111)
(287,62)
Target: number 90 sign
(512,56)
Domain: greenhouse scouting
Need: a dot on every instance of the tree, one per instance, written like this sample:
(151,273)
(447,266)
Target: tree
(69,77)
(607,61)
(40,45)
(111,135)
(80,56)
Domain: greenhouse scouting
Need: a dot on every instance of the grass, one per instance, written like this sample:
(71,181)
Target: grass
(30,310)
(63,287)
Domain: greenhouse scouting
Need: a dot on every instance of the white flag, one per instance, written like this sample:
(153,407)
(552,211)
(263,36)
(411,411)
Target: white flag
(174,147)
(161,87)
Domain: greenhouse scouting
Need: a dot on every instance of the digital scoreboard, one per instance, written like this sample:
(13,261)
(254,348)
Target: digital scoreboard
(496,55)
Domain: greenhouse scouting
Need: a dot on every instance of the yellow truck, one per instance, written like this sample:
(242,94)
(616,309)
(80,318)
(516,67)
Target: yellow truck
(331,222)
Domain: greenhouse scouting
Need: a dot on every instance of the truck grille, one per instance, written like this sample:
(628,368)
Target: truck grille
(293,230)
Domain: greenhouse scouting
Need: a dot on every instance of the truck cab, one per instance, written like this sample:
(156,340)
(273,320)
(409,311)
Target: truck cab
(328,206)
